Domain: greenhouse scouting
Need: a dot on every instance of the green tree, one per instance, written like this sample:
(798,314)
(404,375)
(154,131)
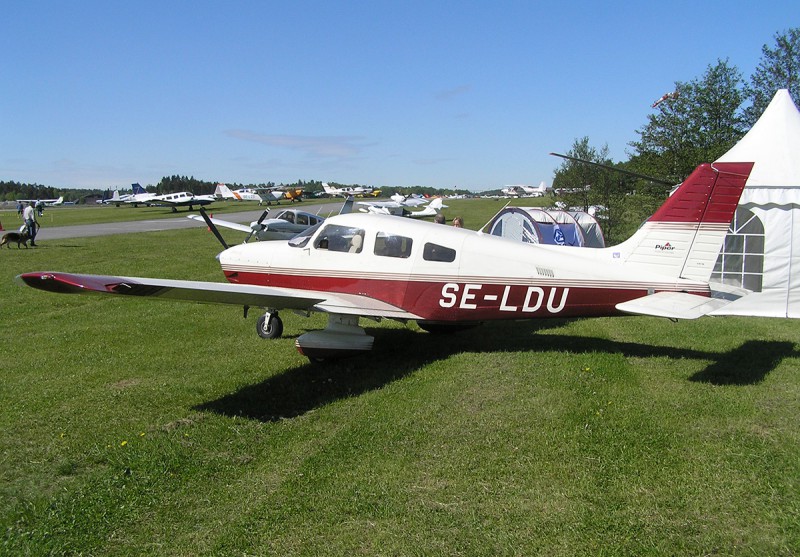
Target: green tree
(779,68)
(699,124)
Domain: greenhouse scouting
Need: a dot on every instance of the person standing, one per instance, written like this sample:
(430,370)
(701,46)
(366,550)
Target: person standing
(29,216)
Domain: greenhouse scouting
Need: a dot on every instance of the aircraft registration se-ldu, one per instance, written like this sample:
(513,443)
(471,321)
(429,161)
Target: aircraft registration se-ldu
(377,266)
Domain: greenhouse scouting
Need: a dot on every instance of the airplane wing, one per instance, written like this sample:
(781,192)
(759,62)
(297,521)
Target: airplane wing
(673,305)
(223,223)
(215,292)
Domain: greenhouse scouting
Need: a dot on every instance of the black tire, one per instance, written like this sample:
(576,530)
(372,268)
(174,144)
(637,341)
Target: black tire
(269,329)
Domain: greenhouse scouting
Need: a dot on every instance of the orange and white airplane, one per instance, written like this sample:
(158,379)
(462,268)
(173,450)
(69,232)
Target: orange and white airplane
(377,266)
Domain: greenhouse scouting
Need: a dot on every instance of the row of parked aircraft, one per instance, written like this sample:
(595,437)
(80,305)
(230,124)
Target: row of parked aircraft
(358,265)
(349,191)
(140,196)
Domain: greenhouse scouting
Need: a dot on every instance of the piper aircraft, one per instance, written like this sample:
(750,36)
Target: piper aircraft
(445,278)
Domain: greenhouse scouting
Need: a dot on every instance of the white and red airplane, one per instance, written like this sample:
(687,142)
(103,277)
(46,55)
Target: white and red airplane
(361,265)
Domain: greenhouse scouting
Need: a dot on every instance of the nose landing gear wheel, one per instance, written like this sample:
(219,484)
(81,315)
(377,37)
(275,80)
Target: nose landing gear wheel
(269,326)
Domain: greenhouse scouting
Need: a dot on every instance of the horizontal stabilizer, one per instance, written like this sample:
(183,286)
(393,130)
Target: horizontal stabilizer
(672,305)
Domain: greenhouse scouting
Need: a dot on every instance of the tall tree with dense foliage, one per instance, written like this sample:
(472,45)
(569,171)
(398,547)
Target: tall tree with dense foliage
(699,124)
(779,68)
(583,186)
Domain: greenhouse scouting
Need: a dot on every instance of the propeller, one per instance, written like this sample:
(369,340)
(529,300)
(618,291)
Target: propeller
(213,228)
(257,226)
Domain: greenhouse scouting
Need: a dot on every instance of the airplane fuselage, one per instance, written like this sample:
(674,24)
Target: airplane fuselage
(440,273)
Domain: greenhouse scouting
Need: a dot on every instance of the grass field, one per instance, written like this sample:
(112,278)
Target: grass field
(131,427)
(69,215)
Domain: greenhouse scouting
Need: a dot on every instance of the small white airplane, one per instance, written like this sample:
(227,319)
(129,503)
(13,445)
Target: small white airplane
(115,199)
(400,208)
(182,199)
(140,196)
(525,191)
(358,265)
(242,194)
(284,225)
(48,202)
(347,191)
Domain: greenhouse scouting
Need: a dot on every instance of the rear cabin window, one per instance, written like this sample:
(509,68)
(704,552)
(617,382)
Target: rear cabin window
(334,237)
(392,245)
(435,252)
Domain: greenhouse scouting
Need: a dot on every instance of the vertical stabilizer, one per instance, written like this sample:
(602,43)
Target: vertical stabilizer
(684,236)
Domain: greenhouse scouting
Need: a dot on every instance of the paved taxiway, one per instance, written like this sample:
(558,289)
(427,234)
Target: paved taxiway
(126,227)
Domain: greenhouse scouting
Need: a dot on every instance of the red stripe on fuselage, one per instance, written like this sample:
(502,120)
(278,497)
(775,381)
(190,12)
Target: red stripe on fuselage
(459,301)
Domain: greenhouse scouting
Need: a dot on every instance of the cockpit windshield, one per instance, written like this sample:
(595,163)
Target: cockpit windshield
(335,237)
(303,237)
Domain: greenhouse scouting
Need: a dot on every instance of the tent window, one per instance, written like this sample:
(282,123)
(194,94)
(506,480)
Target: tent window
(741,261)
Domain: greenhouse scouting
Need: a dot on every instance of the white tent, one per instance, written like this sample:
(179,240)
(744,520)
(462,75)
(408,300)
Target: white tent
(534,225)
(760,251)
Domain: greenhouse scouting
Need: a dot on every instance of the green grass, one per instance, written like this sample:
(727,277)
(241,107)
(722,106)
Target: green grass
(131,427)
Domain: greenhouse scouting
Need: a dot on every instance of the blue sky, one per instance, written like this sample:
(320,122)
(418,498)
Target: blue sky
(442,94)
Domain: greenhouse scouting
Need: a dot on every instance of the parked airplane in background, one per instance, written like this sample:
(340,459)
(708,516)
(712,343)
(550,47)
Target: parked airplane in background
(113,199)
(243,194)
(400,208)
(525,191)
(284,225)
(140,196)
(357,191)
(183,199)
(445,278)
(268,194)
(48,202)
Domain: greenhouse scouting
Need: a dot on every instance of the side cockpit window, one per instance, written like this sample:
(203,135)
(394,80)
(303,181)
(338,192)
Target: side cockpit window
(334,237)
(435,252)
(392,245)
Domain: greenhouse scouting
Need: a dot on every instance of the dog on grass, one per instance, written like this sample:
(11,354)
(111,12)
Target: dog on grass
(18,237)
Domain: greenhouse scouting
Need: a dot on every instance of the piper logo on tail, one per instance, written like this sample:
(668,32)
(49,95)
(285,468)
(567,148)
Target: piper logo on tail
(665,247)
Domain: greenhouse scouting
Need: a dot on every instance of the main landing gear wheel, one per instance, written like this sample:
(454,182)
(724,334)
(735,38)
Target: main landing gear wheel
(269,326)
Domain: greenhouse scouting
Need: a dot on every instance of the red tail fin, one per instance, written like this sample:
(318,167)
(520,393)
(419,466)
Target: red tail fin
(722,181)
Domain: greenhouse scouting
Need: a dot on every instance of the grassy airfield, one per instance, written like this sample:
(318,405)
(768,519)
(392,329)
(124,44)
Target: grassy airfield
(133,427)
(69,215)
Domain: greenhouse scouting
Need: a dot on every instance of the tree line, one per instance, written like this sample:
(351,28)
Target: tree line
(697,122)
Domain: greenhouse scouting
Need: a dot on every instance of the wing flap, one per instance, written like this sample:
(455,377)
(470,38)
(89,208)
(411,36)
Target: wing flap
(672,305)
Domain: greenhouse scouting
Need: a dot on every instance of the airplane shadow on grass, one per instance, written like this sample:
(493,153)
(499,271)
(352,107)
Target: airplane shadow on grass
(401,352)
